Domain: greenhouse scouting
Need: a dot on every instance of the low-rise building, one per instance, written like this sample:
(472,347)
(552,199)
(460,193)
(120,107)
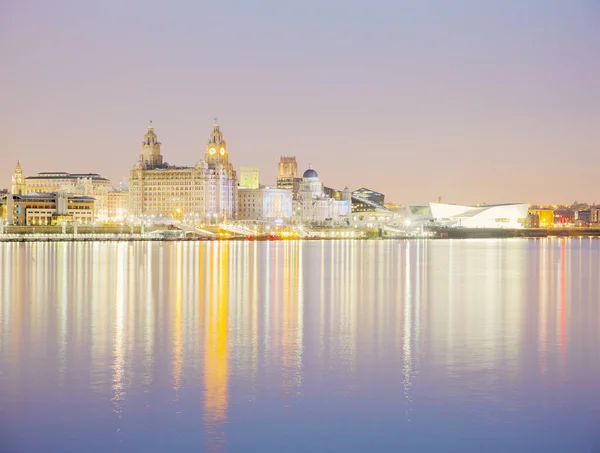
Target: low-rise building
(79,184)
(544,217)
(564,217)
(364,199)
(264,203)
(46,209)
(368,208)
(509,215)
(595,215)
(583,217)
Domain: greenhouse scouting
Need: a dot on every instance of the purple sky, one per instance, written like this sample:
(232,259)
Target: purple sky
(473,101)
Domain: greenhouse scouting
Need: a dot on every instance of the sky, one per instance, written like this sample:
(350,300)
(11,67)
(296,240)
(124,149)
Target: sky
(468,100)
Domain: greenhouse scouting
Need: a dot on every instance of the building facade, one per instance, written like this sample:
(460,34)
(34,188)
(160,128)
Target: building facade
(364,199)
(47,209)
(205,193)
(544,218)
(78,184)
(118,204)
(287,174)
(510,215)
(314,207)
(264,203)
(368,209)
(249,177)
(564,217)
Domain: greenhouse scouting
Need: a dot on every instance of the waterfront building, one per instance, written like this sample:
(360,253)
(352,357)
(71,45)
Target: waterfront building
(511,215)
(264,203)
(287,174)
(583,217)
(249,177)
(595,215)
(118,204)
(47,209)
(364,199)
(314,207)
(368,208)
(564,217)
(545,217)
(205,193)
(80,184)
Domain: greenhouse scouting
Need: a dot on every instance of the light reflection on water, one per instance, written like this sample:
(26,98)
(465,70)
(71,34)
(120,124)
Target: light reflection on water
(300,346)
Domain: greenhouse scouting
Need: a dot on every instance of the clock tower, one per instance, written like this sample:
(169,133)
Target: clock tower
(216,147)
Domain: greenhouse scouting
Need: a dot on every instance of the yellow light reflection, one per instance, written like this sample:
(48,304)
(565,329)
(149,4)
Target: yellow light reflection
(177,321)
(543,307)
(216,371)
(291,319)
(562,308)
(407,328)
(119,352)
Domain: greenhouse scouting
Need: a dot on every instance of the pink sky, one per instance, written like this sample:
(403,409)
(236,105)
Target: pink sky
(474,103)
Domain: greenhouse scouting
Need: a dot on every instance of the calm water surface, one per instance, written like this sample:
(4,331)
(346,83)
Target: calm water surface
(483,345)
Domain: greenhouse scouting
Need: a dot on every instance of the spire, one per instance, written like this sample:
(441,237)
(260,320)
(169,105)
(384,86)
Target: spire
(216,136)
(150,154)
(150,137)
(18,183)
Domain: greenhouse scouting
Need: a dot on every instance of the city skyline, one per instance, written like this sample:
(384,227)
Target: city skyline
(506,110)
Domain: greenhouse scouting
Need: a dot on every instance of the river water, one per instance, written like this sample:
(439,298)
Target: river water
(314,346)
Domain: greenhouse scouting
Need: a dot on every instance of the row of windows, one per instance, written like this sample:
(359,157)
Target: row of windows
(182,177)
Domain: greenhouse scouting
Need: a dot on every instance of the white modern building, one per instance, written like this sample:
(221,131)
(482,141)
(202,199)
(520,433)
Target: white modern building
(264,203)
(509,215)
(314,207)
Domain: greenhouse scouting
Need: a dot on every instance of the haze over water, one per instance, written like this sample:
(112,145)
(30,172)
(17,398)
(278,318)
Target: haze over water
(477,345)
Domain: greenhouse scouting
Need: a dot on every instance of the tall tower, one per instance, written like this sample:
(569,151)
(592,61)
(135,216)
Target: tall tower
(150,154)
(18,182)
(288,167)
(216,147)
(287,174)
(223,201)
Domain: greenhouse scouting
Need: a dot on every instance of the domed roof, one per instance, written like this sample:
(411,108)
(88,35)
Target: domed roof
(310,173)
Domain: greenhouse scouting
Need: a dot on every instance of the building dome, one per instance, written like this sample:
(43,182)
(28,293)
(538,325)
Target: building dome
(310,173)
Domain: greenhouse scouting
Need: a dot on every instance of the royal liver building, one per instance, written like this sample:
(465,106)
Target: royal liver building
(204,193)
